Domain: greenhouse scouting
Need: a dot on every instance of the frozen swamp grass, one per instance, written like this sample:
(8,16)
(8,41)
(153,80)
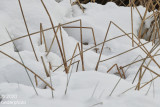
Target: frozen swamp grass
(71,49)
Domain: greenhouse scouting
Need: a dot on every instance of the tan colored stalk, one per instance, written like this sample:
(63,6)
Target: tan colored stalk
(27,69)
(44,65)
(28,30)
(42,34)
(66,70)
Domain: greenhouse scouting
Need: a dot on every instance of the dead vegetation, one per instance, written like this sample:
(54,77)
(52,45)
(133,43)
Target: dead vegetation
(153,33)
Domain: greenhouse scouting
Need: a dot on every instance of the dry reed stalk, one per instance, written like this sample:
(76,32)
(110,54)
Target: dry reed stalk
(51,79)
(117,69)
(130,3)
(156,25)
(151,71)
(123,32)
(77,64)
(77,46)
(52,42)
(124,52)
(36,80)
(44,39)
(145,50)
(149,82)
(149,62)
(65,64)
(41,35)
(27,30)
(95,89)
(129,89)
(132,23)
(27,69)
(115,87)
(22,61)
(129,65)
(44,65)
(140,68)
(68,79)
(142,23)
(137,10)
(79,4)
(90,49)
(31,34)
(96,104)
(149,54)
(64,54)
(137,61)
(81,54)
(50,66)
(103,47)
(146,69)
(122,3)
(94,39)
(123,72)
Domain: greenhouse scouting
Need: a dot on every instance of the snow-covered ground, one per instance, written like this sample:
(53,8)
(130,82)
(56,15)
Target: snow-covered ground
(87,88)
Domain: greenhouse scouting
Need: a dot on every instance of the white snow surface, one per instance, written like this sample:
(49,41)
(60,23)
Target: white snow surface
(87,88)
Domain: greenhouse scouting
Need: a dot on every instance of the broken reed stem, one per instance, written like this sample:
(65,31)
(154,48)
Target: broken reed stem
(27,30)
(42,34)
(31,34)
(77,46)
(137,61)
(148,54)
(124,52)
(77,66)
(52,42)
(117,69)
(50,66)
(158,75)
(44,65)
(27,69)
(148,65)
(74,63)
(22,62)
(145,50)
(90,49)
(106,37)
(65,64)
(102,47)
(94,39)
(146,69)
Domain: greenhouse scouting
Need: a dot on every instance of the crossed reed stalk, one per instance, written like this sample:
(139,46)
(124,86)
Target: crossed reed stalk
(135,40)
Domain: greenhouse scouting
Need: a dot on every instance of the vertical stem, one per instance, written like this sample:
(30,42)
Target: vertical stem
(27,30)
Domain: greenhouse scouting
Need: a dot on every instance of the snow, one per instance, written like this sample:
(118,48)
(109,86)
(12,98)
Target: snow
(85,88)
